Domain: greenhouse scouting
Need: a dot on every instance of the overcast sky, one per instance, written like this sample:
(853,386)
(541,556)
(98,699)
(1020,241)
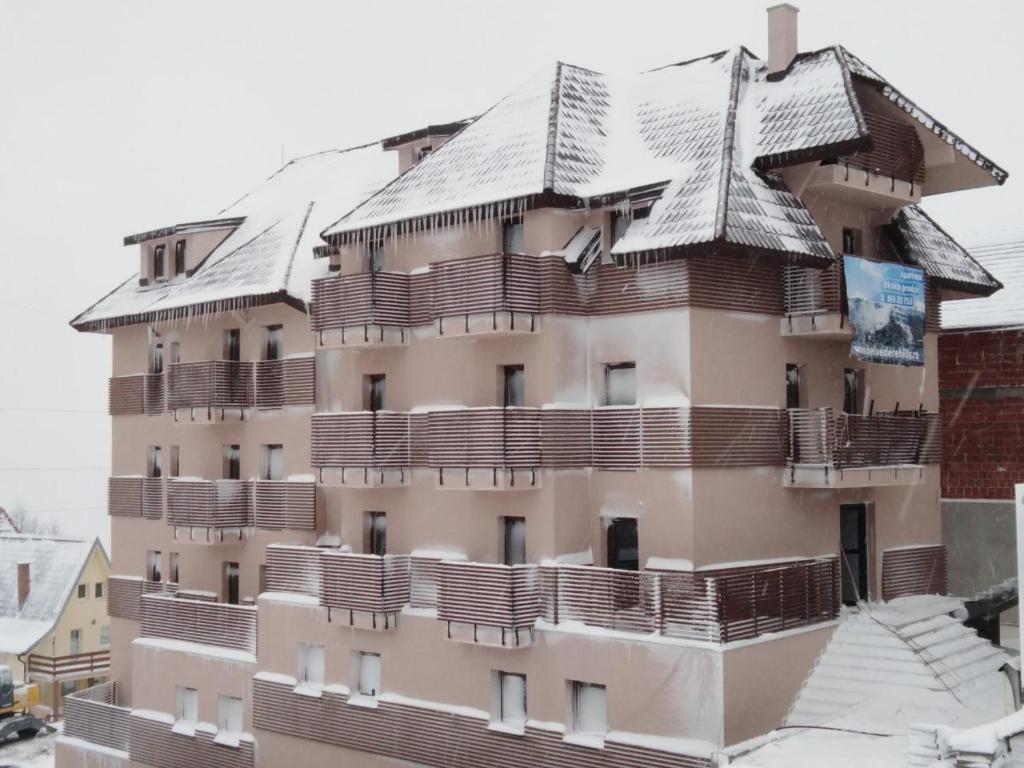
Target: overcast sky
(125,116)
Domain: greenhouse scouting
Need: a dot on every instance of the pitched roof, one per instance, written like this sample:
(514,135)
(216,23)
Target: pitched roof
(1002,254)
(267,257)
(55,565)
(6,523)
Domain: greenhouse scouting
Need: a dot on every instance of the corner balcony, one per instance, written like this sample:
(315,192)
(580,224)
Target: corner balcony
(284,505)
(843,450)
(361,310)
(134,496)
(362,448)
(210,511)
(285,383)
(222,625)
(813,303)
(368,590)
(210,391)
(124,594)
(137,395)
(94,716)
(494,294)
(488,604)
(484,449)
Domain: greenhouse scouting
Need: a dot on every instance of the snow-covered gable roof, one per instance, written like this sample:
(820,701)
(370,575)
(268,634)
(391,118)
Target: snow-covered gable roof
(268,257)
(55,565)
(1002,254)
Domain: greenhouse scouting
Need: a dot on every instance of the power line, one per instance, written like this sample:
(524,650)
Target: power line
(27,308)
(13,409)
(35,511)
(54,469)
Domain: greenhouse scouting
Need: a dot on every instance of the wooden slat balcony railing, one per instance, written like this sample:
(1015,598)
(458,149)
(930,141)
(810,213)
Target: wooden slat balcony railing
(212,384)
(502,597)
(68,667)
(914,570)
(358,302)
(124,496)
(154,741)
(489,284)
(370,584)
(485,438)
(629,601)
(138,394)
(93,715)
(287,382)
(809,291)
(294,568)
(896,151)
(284,505)
(216,504)
(124,594)
(360,439)
(198,621)
(153,497)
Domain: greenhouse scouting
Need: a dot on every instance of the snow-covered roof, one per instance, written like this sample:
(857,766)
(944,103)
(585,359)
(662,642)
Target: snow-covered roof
(267,257)
(6,523)
(55,565)
(1002,254)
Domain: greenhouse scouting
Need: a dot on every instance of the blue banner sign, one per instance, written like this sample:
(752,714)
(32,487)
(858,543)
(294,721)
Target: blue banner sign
(886,310)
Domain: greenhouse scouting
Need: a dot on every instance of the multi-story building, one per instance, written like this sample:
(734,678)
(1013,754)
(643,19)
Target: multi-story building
(569,462)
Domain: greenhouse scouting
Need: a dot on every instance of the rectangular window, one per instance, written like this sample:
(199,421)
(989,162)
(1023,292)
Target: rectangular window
(186,704)
(311,664)
(619,225)
(98,589)
(509,701)
(230,585)
(154,466)
(792,385)
(172,567)
(853,388)
(231,464)
(512,237)
(83,590)
(173,352)
(153,565)
(375,256)
(374,387)
(273,342)
(513,535)
(853,538)
(851,241)
(156,358)
(232,344)
(158,263)
(76,642)
(105,635)
(623,544)
(175,469)
(229,714)
(376,524)
(588,715)
(513,385)
(179,257)
(67,687)
(620,384)
(271,462)
(367,673)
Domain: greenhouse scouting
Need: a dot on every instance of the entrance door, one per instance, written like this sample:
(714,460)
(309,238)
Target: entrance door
(623,544)
(853,535)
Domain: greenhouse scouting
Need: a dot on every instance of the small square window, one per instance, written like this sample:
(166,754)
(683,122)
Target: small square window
(620,384)
(98,589)
(186,704)
(83,591)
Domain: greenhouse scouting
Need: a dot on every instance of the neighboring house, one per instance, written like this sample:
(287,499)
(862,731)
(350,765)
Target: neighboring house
(54,627)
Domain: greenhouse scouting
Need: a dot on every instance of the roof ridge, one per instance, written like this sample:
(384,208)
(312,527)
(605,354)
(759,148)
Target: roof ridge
(553,129)
(728,148)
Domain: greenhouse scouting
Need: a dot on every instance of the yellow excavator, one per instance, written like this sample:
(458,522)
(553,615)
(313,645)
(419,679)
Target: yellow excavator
(16,702)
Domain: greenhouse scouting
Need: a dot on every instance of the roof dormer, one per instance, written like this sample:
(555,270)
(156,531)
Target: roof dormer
(177,251)
(416,145)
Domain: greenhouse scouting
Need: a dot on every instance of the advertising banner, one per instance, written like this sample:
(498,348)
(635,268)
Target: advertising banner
(886,310)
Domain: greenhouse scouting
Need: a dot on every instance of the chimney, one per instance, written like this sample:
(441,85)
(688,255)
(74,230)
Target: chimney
(24,583)
(782,45)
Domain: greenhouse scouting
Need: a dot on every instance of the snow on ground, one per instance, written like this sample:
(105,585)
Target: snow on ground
(35,753)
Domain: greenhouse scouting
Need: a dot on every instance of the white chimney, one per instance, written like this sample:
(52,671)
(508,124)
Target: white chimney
(781,37)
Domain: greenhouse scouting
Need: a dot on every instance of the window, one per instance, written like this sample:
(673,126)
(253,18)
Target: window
(230,583)
(509,699)
(376,525)
(853,387)
(105,635)
(173,352)
(623,544)
(513,386)
(367,673)
(153,565)
(232,344)
(619,225)
(513,540)
(271,462)
(67,687)
(75,642)
(229,714)
(375,256)
(156,358)
(374,386)
(179,257)
(186,704)
(172,567)
(231,464)
(853,538)
(158,262)
(792,385)
(423,152)
(620,384)
(512,237)
(98,589)
(83,591)
(588,715)
(851,241)
(175,468)
(311,664)
(273,342)
(263,578)
(153,462)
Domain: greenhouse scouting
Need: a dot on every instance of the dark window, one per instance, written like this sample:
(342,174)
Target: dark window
(851,241)
(514,386)
(512,237)
(514,540)
(158,262)
(623,544)
(154,466)
(620,384)
(853,380)
(374,386)
(375,256)
(641,213)
(263,578)
(174,470)
(231,593)
(172,567)
(82,591)
(273,349)
(156,358)
(792,385)
(620,223)
(272,462)
(153,565)
(98,589)
(233,344)
(232,463)
(173,352)
(423,152)
(853,532)
(376,533)
(179,257)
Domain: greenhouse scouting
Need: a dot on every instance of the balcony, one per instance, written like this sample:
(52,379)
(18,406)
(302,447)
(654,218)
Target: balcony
(485,295)
(136,395)
(485,448)
(206,391)
(155,741)
(70,667)
(213,511)
(362,448)
(368,590)
(199,621)
(813,303)
(93,715)
(284,505)
(488,604)
(843,450)
(285,383)
(914,570)
(363,309)
(124,594)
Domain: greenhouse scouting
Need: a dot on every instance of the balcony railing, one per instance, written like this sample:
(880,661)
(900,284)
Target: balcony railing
(215,504)
(809,292)
(287,382)
(896,151)
(210,385)
(485,595)
(199,621)
(361,305)
(362,440)
(368,584)
(914,570)
(68,667)
(284,505)
(139,394)
(93,715)
(154,741)
(124,594)
(124,496)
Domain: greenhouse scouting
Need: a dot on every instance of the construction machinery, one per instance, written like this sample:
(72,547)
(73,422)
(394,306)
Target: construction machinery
(16,702)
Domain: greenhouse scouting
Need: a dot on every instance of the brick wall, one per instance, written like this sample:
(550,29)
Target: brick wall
(981,379)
